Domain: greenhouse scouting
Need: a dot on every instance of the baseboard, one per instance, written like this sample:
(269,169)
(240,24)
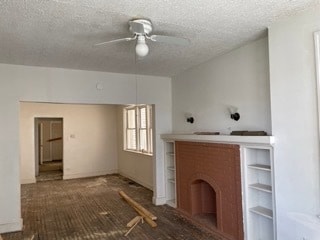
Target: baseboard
(146,185)
(11,227)
(89,174)
(159,200)
(28,181)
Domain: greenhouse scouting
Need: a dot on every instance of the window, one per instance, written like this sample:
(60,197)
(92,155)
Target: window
(138,128)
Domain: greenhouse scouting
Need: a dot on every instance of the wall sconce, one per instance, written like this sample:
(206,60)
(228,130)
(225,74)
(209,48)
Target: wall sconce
(189,118)
(234,113)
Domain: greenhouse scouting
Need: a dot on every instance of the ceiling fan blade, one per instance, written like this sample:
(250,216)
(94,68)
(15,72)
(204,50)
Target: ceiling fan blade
(136,27)
(170,39)
(116,40)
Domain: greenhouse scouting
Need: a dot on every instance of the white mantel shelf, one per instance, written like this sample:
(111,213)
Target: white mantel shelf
(226,139)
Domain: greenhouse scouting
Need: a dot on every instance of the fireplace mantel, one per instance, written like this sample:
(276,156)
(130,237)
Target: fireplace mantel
(255,156)
(226,139)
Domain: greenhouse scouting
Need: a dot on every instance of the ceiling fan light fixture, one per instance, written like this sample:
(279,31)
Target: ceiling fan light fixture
(141,30)
(142,48)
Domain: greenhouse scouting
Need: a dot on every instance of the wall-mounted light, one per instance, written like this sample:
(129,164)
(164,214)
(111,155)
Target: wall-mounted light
(189,118)
(234,113)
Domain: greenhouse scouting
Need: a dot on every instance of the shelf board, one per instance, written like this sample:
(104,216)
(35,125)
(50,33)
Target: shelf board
(260,167)
(228,139)
(172,180)
(171,168)
(265,212)
(261,187)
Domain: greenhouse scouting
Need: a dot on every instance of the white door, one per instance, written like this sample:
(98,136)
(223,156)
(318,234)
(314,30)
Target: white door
(40,129)
(56,137)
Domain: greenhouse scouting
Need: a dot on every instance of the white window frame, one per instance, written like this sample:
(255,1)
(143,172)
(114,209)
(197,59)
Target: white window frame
(149,129)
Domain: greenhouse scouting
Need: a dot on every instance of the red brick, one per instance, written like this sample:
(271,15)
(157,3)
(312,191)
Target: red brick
(219,166)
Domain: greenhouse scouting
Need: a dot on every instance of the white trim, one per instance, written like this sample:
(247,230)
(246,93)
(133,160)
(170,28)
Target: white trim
(11,227)
(89,174)
(229,139)
(245,210)
(317,55)
(159,200)
(138,152)
(28,181)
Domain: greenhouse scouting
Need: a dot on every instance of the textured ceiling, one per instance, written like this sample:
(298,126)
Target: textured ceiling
(61,33)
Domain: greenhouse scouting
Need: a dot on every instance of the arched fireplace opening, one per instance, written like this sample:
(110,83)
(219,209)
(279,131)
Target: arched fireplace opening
(204,203)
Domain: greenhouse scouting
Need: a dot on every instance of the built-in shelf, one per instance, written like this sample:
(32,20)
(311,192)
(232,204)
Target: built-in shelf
(258,187)
(260,167)
(265,212)
(170,173)
(172,180)
(261,187)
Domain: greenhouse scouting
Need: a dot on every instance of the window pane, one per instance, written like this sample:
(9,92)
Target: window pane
(138,128)
(143,116)
(131,139)
(143,140)
(131,118)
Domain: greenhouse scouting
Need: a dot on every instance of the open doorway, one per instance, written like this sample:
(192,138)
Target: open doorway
(49,148)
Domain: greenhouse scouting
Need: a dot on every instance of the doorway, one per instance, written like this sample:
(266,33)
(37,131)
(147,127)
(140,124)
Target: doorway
(49,148)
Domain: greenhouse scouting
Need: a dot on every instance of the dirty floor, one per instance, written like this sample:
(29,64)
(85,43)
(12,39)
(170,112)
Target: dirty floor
(91,208)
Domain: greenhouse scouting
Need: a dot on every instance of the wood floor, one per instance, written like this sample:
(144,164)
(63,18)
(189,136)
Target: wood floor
(91,208)
(51,170)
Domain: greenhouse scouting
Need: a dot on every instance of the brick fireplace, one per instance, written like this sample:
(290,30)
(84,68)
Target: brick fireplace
(209,186)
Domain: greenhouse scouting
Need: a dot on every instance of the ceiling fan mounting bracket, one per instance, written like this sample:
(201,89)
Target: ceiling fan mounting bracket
(147,25)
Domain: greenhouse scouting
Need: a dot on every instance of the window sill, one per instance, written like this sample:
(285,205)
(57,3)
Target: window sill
(137,152)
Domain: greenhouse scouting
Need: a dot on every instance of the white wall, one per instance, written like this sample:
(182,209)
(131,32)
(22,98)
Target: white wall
(89,143)
(294,119)
(21,83)
(135,166)
(239,78)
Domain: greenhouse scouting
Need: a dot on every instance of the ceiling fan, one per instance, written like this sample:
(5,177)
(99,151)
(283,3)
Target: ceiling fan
(141,29)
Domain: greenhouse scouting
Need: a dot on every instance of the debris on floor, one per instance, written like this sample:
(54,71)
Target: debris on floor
(145,215)
(68,210)
(134,222)
(97,182)
(104,213)
(134,184)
